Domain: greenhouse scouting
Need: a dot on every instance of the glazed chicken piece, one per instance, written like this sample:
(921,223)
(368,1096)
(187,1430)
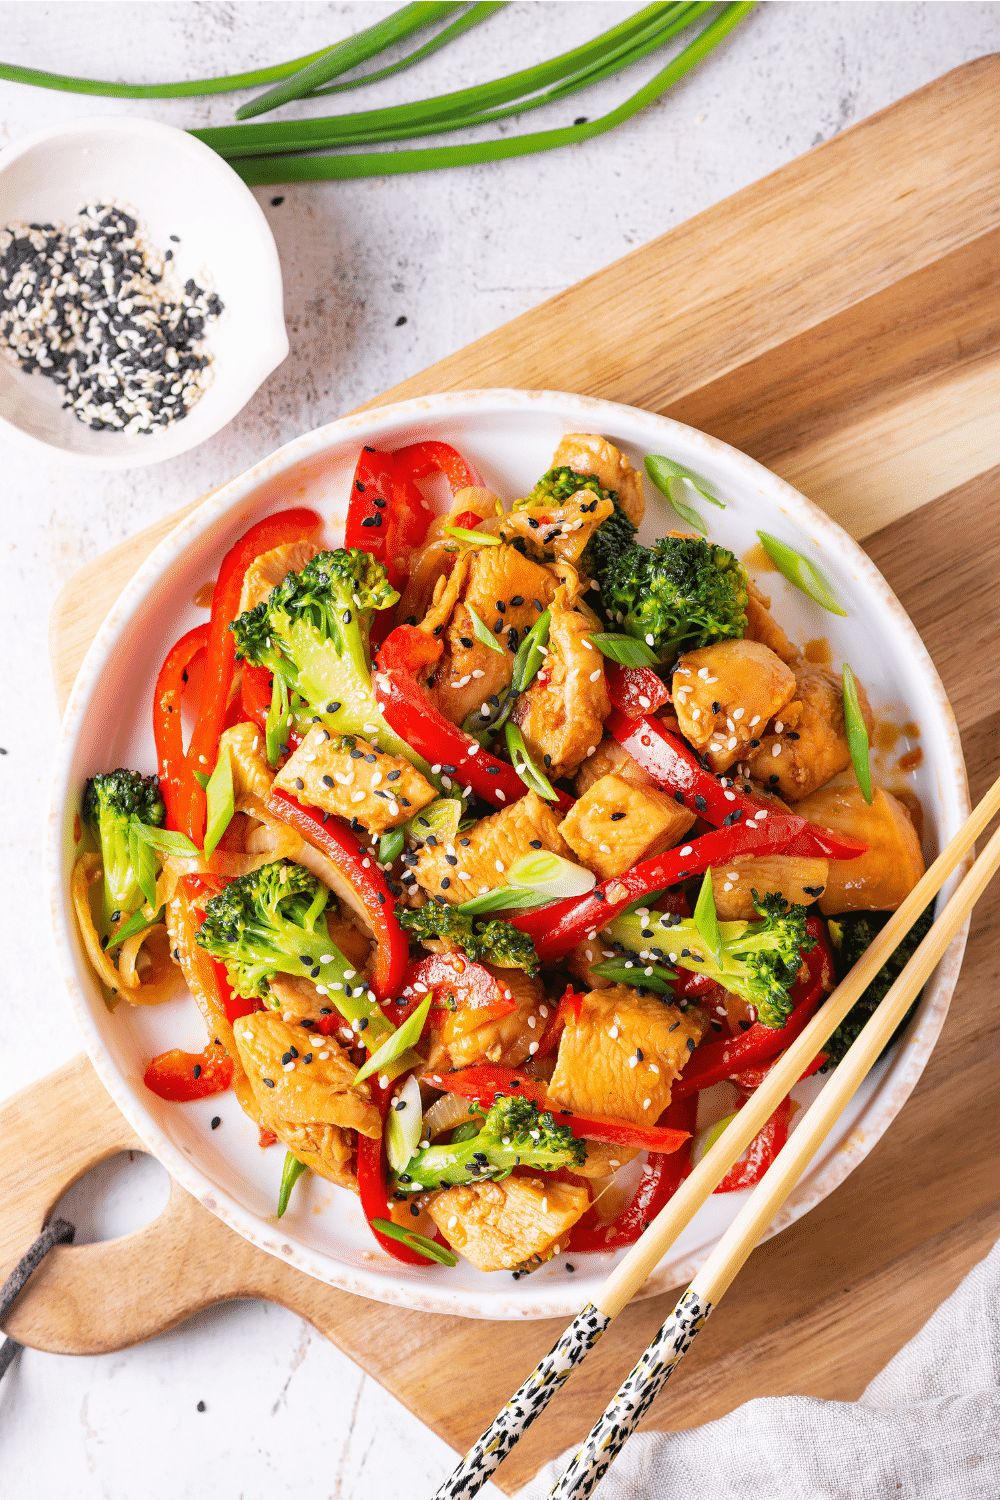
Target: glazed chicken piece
(763,627)
(508,592)
(509,1039)
(272,568)
(581,959)
(589,454)
(344,774)
(327,1149)
(558,531)
(562,714)
(799,879)
(881,878)
(724,695)
(610,759)
(479,859)
(615,824)
(621,1056)
(316,1090)
(807,743)
(500,1225)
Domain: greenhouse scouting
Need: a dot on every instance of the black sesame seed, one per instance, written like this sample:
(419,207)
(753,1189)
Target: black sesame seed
(201,1406)
(216,1121)
(269,1083)
(679,797)
(690,1044)
(196,1070)
(617,817)
(332,708)
(534,843)
(446,883)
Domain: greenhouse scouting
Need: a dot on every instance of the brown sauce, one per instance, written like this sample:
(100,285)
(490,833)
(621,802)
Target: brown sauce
(911,802)
(886,734)
(203,598)
(911,760)
(912,730)
(756,560)
(818,651)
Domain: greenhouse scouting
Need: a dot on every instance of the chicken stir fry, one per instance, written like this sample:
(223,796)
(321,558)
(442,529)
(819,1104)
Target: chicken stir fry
(502,837)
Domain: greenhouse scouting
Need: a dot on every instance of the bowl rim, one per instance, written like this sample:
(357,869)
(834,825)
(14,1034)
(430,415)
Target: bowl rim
(271,345)
(554,1299)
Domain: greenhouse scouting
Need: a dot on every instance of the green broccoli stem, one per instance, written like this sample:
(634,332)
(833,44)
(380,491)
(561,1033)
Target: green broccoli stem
(468,1161)
(120,891)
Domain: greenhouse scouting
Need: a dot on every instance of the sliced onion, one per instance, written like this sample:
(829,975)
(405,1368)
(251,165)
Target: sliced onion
(445,1113)
(159,979)
(403,1126)
(550,876)
(621,1187)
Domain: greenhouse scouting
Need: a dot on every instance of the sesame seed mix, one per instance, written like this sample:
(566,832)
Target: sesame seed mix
(95,307)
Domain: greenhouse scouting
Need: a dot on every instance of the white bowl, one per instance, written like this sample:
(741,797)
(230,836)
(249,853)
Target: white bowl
(509,436)
(177,186)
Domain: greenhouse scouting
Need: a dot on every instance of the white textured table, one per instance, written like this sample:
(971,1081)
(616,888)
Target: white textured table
(455,255)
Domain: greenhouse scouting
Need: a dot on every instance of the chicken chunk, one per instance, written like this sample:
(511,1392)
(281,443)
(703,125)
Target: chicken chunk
(272,568)
(558,531)
(581,959)
(589,454)
(344,774)
(327,1149)
(507,592)
(610,759)
(763,627)
(316,1089)
(596,1070)
(614,825)
(808,741)
(725,694)
(562,714)
(500,1225)
(484,854)
(798,879)
(881,878)
(508,1039)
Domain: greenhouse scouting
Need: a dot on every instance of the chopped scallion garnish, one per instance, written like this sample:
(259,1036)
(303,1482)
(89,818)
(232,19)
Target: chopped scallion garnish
(800,571)
(417,1242)
(479,630)
(290,1175)
(857,735)
(673,480)
(220,801)
(706,919)
(625,650)
(395,1045)
(525,767)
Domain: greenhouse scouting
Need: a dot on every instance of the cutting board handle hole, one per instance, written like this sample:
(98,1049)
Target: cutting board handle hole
(118,1196)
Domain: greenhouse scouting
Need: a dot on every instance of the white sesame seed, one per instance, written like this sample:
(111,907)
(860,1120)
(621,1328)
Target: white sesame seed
(477,673)
(728,885)
(376,778)
(686,851)
(453,1221)
(729,796)
(738,713)
(591,749)
(650,639)
(288,1066)
(359,795)
(500,796)
(732,743)
(383,1082)
(370,728)
(604,848)
(533,1049)
(531,1023)
(646,1103)
(613,1032)
(775,749)
(599,673)
(323,1056)
(703,672)
(779,728)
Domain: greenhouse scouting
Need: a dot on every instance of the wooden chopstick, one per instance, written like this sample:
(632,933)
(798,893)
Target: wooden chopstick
(537,1390)
(674,1339)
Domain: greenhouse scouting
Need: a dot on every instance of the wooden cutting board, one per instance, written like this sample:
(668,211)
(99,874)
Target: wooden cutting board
(840,321)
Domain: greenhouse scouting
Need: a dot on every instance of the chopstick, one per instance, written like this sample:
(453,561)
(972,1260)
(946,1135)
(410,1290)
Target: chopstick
(674,1339)
(534,1394)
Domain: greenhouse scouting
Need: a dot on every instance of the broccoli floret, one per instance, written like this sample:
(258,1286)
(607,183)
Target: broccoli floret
(560,485)
(271,922)
(610,538)
(112,801)
(613,537)
(515,1133)
(483,942)
(312,631)
(851,935)
(679,594)
(759,959)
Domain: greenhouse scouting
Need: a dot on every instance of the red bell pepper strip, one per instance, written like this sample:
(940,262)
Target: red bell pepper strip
(635,690)
(199,889)
(662,1176)
(420,460)
(752,1078)
(387,515)
(220,655)
(407,709)
(567,1009)
(334,839)
(761,1152)
(167,698)
(255,693)
(441,975)
(716,1061)
(182,1076)
(559,926)
(372,1181)
(486,1080)
(675,768)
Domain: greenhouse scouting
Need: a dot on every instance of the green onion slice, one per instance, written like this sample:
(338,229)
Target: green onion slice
(550,876)
(417,1242)
(673,481)
(202,778)
(137,922)
(165,840)
(293,1170)
(440,817)
(800,571)
(530,655)
(659,980)
(857,735)
(403,1125)
(625,650)
(221,801)
(390,846)
(395,1045)
(481,633)
(276,724)
(706,1139)
(525,767)
(143,861)
(504,898)
(476,538)
(706,919)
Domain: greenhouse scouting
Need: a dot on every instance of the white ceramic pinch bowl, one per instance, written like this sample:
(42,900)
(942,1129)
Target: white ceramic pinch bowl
(510,437)
(176,185)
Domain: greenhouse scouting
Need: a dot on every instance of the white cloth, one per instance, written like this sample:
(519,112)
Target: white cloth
(926,1428)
